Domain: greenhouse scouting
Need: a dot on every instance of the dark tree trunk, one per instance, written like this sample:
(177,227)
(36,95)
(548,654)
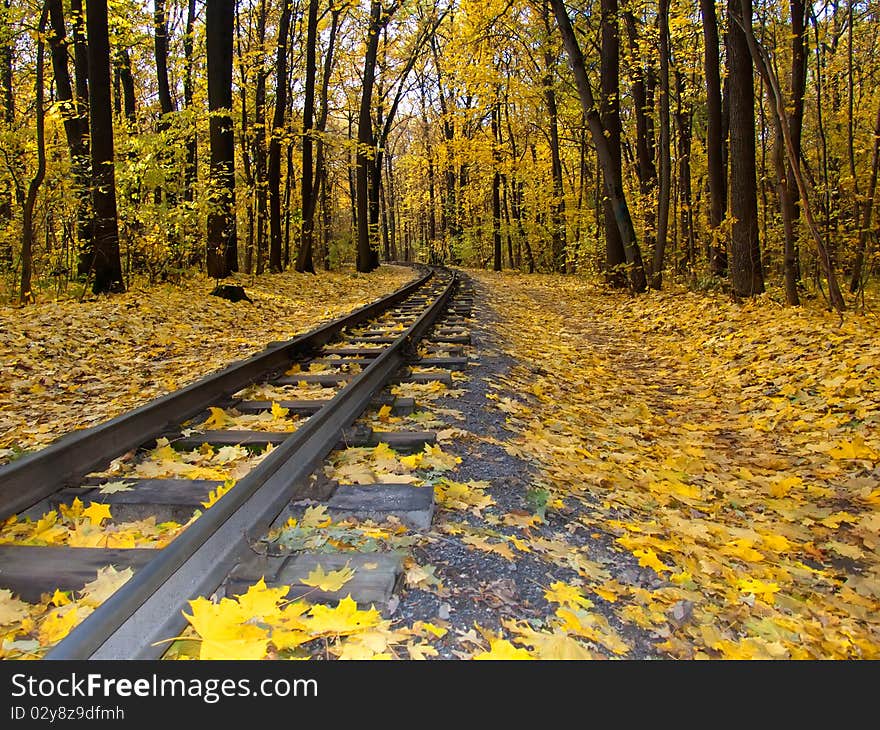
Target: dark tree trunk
(274,172)
(75,126)
(683,123)
(615,256)
(664,193)
(865,228)
(160,45)
(796,119)
(105,265)
(643,97)
(262,210)
(30,201)
(746,275)
(321,180)
(557,209)
(366,184)
(309,198)
(613,179)
(714,139)
(190,167)
(222,249)
(166,103)
(126,81)
(496,191)
(7,51)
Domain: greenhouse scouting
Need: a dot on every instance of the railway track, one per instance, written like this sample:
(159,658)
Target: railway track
(279,413)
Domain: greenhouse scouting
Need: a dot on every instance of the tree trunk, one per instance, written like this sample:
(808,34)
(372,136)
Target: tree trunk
(367,256)
(190,167)
(557,207)
(613,180)
(259,142)
(683,123)
(166,103)
(274,172)
(496,190)
(615,256)
(309,198)
(746,275)
(643,101)
(714,139)
(796,119)
(27,232)
(867,211)
(222,249)
(105,266)
(664,192)
(74,122)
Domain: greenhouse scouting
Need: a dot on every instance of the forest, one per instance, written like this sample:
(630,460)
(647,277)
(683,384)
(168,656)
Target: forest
(730,146)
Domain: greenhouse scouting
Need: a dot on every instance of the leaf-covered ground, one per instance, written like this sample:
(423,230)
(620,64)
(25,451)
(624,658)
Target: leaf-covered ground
(732,449)
(68,364)
(670,476)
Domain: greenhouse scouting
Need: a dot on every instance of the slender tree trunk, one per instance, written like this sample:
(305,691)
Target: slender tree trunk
(309,197)
(222,248)
(796,119)
(714,139)
(7,51)
(643,102)
(746,274)
(683,123)
(557,207)
(761,60)
(77,142)
(367,256)
(613,180)
(664,196)
(259,143)
(190,173)
(274,172)
(615,256)
(496,189)
(106,267)
(27,231)
(867,211)
(166,103)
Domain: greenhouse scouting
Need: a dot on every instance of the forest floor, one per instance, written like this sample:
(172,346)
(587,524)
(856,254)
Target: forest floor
(68,364)
(672,475)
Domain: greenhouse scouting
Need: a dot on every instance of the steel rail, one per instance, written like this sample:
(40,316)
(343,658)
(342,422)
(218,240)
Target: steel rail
(26,481)
(137,621)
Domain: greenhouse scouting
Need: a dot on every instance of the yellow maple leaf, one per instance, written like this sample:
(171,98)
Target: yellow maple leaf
(279,412)
(648,559)
(59,598)
(413,461)
(218,420)
(856,448)
(384,413)
(72,511)
(97,512)
(260,601)
(215,494)
(344,618)
(332,581)
(567,595)
(758,587)
(57,624)
(503,650)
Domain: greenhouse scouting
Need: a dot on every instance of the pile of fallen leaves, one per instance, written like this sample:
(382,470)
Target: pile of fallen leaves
(70,364)
(730,450)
